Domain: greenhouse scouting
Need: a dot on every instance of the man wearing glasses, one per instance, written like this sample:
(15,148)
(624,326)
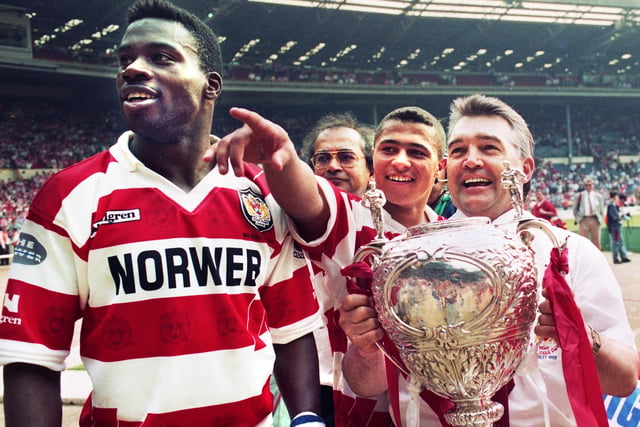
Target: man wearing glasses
(339,149)
(588,210)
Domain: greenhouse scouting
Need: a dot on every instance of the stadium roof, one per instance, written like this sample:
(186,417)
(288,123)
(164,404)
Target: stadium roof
(599,36)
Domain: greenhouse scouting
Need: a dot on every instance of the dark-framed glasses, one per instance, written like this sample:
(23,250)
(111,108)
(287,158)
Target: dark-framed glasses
(346,158)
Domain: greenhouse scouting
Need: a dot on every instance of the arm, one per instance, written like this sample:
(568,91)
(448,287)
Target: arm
(31,396)
(576,205)
(296,372)
(617,366)
(614,215)
(363,364)
(290,180)
(617,363)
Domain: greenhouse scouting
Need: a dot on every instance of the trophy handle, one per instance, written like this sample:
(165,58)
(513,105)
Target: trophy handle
(373,249)
(540,224)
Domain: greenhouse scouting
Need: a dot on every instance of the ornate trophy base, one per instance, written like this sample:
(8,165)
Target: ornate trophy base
(475,412)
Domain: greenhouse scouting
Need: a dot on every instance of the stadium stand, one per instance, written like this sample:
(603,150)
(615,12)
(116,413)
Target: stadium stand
(46,136)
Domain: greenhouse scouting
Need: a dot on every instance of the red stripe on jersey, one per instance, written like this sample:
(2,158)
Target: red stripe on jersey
(49,197)
(48,320)
(245,413)
(256,174)
(172,326)
(295,289)
(340,229)
(217,216)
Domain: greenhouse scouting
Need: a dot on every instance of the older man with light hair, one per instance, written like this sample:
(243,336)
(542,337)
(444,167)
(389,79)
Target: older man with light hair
(589,210)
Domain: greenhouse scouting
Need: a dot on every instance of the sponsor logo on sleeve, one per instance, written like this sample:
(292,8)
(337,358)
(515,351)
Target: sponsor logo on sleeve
(255,210)
(29,251)
(11,304)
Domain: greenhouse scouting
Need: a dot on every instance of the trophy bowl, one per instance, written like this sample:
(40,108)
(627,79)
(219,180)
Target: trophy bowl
(458,299)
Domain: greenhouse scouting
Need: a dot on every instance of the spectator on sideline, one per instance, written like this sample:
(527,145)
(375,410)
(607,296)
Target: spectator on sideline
(543,208)
(331,224)
(190,289)
(614,227)
(588,211)
(339,148)
(483,133)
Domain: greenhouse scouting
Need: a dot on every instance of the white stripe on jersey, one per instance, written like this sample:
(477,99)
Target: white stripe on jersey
(165,384)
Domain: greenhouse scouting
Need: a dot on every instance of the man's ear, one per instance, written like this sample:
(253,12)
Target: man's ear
(214,85)
(442,167)
(528,167)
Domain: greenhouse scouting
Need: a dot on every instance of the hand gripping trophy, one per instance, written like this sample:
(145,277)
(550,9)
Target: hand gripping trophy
(458,300)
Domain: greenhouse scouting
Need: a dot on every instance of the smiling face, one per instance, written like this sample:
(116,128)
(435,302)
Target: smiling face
(162,88)
(405,163)
(353,178)
(478,146)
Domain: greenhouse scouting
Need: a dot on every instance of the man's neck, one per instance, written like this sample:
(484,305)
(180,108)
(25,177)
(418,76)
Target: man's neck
(408,217)
(180,162)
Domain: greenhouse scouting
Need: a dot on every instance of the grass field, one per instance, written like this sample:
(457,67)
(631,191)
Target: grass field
(630,229)
(633,222)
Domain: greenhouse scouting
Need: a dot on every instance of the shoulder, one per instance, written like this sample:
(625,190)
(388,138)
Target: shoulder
(63,182)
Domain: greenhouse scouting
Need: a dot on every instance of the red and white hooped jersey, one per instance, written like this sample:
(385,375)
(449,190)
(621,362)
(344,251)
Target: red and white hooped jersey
(181,295)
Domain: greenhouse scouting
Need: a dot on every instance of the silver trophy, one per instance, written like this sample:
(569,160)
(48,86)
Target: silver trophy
(458,298)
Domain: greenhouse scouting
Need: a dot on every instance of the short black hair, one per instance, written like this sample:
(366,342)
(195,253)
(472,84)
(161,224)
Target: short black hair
(413,114)
(206,40)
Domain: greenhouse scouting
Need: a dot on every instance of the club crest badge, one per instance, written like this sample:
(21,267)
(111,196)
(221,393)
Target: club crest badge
(255,210)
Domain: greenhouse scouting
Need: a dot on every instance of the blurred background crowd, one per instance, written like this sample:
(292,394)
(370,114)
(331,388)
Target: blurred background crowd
(49,135)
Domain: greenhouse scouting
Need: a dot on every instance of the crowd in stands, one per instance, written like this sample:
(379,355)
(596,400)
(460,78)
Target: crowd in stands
(51,135)
(15,196)
(275,72)
(402,77)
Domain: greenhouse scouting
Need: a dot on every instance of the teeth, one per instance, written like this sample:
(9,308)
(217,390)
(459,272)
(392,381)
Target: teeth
(400,178)
(475,180)
(138,96)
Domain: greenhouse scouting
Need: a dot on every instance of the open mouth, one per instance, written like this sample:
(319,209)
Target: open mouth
(476,182)
(401,179)
(137,97)
(138,94)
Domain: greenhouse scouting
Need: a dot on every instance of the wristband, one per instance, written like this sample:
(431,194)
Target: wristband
(307,419)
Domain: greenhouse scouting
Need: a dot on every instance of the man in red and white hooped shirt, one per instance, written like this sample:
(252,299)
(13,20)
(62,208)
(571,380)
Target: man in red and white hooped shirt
(191,290)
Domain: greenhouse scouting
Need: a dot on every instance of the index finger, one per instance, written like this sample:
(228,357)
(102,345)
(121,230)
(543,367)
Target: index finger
(248,117)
